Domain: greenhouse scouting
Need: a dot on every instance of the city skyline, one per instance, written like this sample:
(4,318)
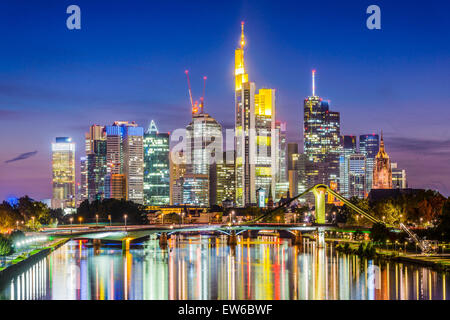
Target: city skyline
(406,142)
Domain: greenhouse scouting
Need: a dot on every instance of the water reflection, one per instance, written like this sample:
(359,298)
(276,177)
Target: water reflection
(200,267)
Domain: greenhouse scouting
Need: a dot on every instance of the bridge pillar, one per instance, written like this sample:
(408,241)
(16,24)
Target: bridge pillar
(97,245)
(126,245)
(163,240)
(320,240)
(319,195)
(232,238)
(298,238)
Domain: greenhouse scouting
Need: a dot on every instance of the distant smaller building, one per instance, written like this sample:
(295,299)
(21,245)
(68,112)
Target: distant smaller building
(398,177)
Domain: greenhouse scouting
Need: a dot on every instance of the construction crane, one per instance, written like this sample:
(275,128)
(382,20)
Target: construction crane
(196,107)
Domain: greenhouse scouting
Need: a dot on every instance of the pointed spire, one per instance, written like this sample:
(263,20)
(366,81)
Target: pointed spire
(242,35)
(314,82)
(152,128)
(382,142)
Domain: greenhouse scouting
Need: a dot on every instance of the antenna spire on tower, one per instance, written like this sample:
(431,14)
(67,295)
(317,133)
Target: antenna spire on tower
(242,35)
(314,82)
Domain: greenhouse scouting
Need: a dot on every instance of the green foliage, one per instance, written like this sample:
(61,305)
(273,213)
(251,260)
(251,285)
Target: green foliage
(442,230)
(6,246)
(136,213)
(25,209)
(379,232)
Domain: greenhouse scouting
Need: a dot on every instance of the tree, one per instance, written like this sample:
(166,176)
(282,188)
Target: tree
(6,247)
(443,227)
(379,232)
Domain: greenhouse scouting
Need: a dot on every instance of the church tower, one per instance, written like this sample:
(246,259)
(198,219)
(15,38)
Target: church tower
(382,172)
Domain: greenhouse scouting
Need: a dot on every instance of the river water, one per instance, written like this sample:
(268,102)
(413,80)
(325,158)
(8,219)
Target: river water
(201,267)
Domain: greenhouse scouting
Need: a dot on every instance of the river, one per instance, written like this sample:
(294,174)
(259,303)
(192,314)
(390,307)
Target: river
(202,267)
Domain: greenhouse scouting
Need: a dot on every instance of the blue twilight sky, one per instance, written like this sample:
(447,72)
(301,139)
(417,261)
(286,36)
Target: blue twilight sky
(128,61)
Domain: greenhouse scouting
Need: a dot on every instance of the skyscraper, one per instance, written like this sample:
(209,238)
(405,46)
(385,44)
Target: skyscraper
(321,138)
(95,163)
(125,161)
(156,167)
(369,146)
(133,162)
(255,145)
(83,179)
(63,170)
(225,178)
(96,170)
(382,172)
(204,143)
(177,171)
(348,144)
(356,175)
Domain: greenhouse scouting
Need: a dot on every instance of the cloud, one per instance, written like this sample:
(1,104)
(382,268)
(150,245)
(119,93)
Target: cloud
(8,114)
(429,146)
(22,156)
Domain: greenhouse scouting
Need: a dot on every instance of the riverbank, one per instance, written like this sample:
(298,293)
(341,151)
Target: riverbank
(28,258)
(438,262)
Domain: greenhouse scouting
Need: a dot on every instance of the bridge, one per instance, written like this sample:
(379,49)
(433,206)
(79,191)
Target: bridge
(252,228)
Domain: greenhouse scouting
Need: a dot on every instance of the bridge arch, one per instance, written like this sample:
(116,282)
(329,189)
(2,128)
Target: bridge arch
(319,191)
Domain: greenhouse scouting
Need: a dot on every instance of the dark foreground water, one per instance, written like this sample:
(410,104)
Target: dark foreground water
(201,267)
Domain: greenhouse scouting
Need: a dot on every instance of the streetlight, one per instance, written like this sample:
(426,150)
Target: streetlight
(231,216)
(17,224)
(109,218)
(182,217)
(125,217)
(80,219)
(278,219)
(33,221)
(71,219)
(96,220)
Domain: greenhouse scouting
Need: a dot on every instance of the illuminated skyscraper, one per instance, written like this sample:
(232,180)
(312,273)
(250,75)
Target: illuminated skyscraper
(203,144)
(63,169)
(156,167)
(225,178)
(255,145)
(177,171)
(369,146)
(96,170)
(125,161)
(89,172)
(83,179)
(356,175)
(95,162)
(321,138)
(133,162)
(382,172)
(348,144)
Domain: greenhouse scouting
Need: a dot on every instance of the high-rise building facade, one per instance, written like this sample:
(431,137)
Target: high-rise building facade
(382,172)
(321,138)
(177,168)
(348,144)
(225,179)
(83,179)
(156,167)
(255,145)
(96,170)
(204,146)
(63,172)
(369,146)
(133,162)
(95,148)
(356,176)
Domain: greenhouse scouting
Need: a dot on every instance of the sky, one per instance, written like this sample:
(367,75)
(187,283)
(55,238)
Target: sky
(127,63)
